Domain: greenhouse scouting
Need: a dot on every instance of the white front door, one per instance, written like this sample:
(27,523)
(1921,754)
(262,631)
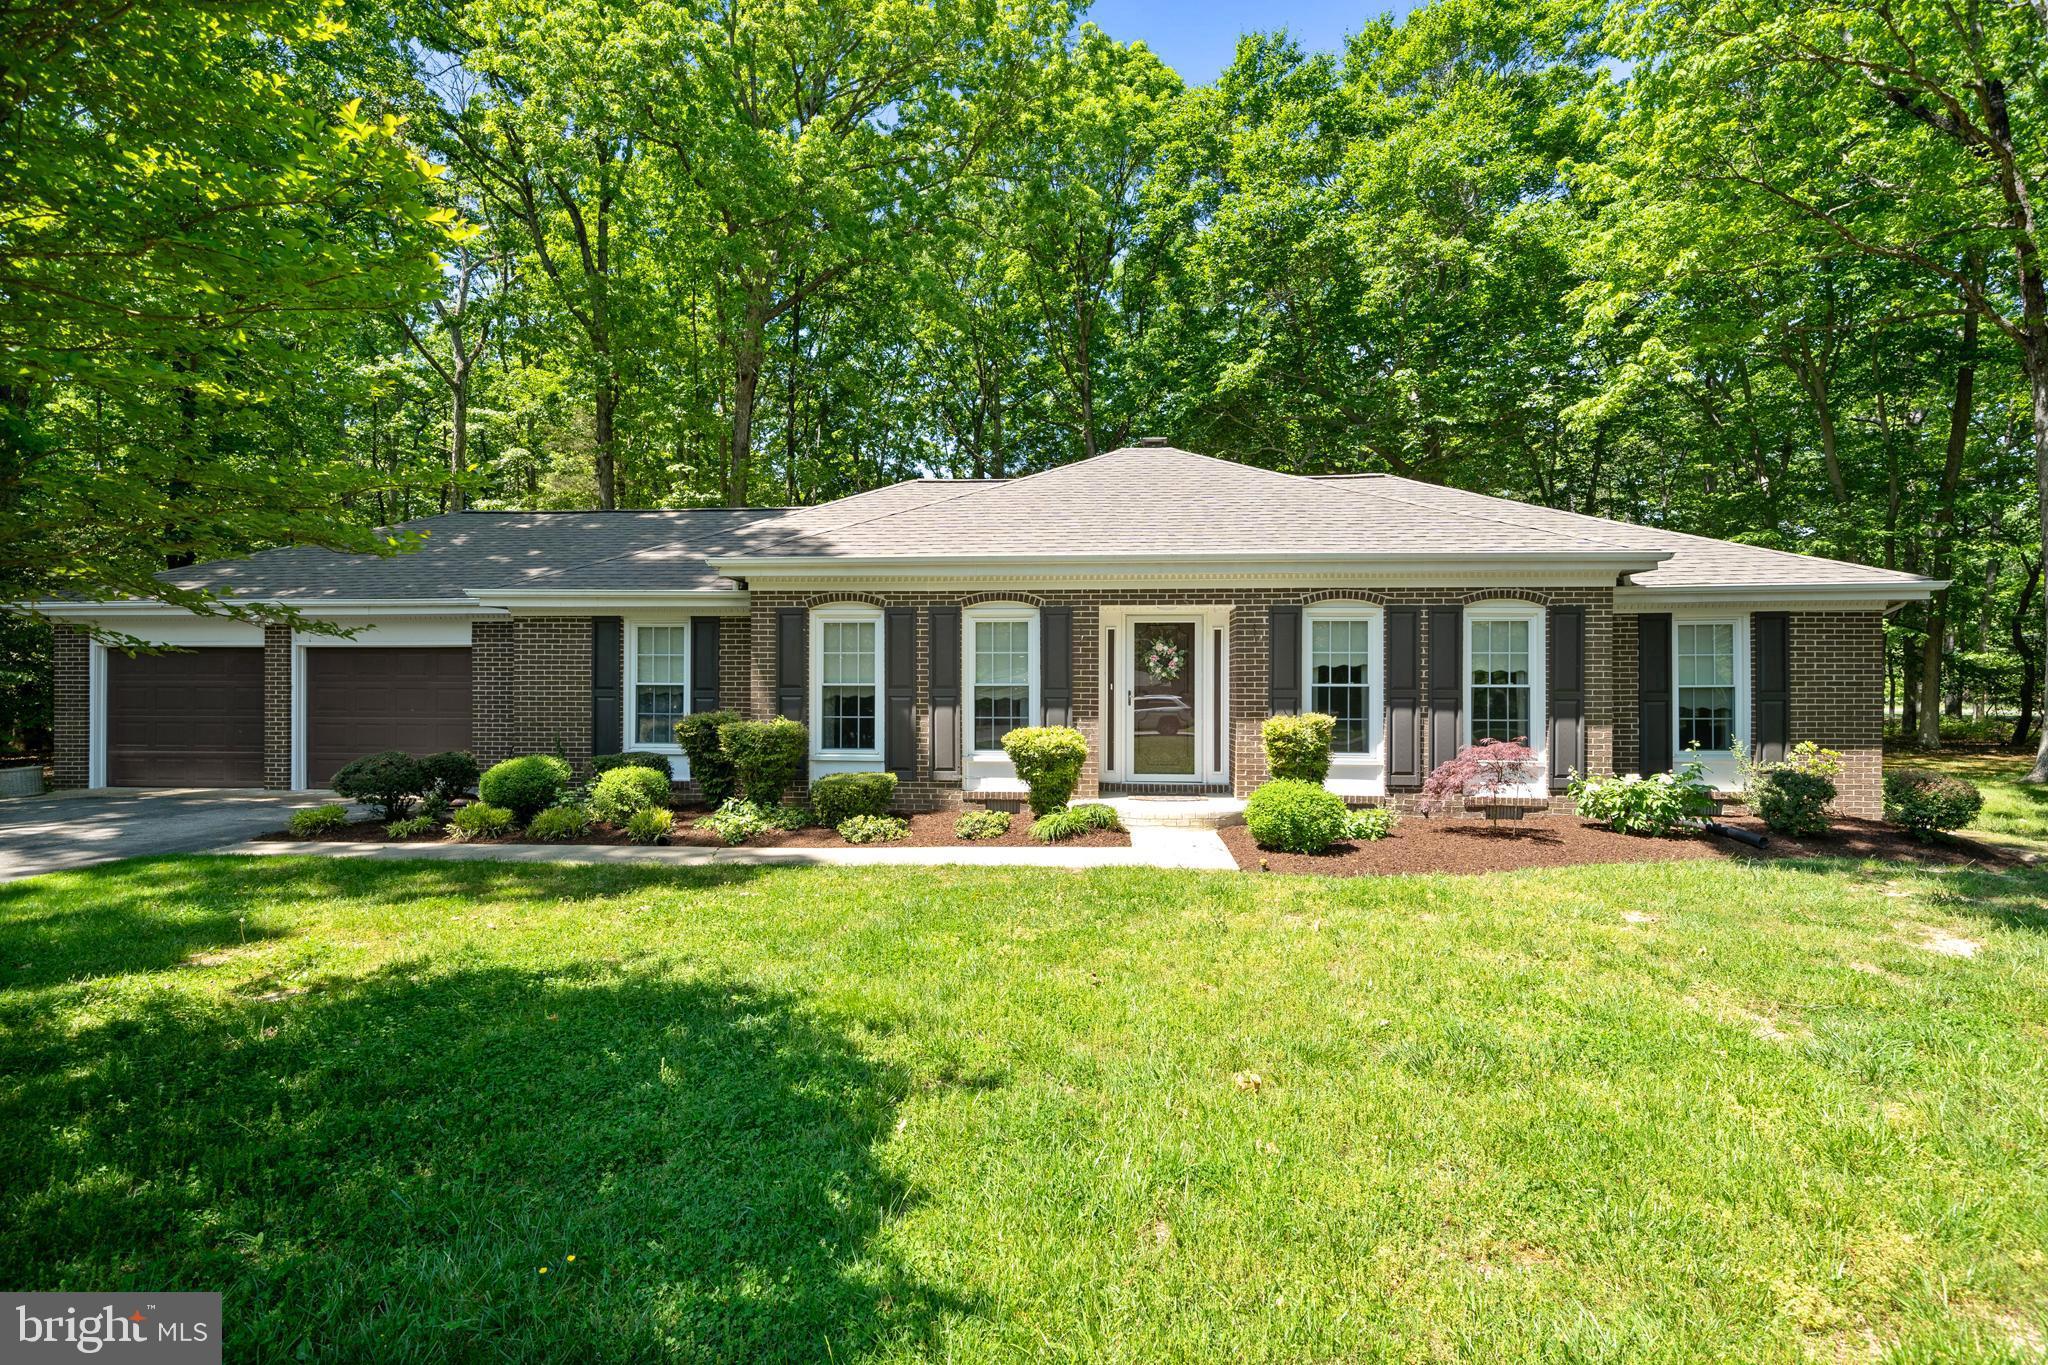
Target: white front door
(1167,682)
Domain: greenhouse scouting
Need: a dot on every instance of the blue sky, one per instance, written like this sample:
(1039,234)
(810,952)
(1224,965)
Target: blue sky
(1197,37)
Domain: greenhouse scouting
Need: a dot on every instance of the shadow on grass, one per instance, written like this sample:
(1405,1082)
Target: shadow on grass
(2014,897)
(379,1170)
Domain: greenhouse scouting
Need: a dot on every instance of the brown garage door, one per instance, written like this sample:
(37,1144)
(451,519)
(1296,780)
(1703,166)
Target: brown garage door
(364,701)
(193,718)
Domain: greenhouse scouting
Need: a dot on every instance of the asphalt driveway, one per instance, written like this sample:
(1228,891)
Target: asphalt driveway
(52,833)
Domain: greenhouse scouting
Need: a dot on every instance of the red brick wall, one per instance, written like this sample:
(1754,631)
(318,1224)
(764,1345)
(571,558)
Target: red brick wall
(1838,700)
(71,703)
(277,706)
(530,688)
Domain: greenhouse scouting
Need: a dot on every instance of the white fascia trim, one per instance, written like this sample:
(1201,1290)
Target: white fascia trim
(1235,562)
(325,607)
(707,601)
(1851,596)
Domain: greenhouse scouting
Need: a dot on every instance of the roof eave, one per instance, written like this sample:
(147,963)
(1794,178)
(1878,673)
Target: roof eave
(911,565)
(1914,590)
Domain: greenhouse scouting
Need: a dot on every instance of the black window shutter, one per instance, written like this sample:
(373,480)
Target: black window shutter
(1283,671)
(899,691)
(607,684)
(1446,683)
(1056,665)
(704,632)
(1653,691)
(790,663)
(943,623)
(1567,694)
(1404,697)
(1773,685)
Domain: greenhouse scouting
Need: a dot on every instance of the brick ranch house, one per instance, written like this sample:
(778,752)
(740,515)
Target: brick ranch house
(1164,603)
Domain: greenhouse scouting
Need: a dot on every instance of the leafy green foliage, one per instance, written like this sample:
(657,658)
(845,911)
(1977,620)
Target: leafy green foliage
(316,820)
(481,820)
(982,824)
(1630,804)
(525,785)
(1295,816)
(416,827)
(1298,746)
(559,823)
(1048,759)
(617,795)
(766,756)
(710,768)
(1930,803)
(1366,824)
(1792,802)
(450,774)
(1071,822)
(872,829)
(650,826)
(389,781)
(736,821)
(841,796)
(604,763)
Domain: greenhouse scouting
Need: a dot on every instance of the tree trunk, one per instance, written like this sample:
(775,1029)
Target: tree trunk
(2030,673)
(1930,674)
(607,436)
(458,432)
(2037,377)
(746,386)
(1909,689)
(1959,413)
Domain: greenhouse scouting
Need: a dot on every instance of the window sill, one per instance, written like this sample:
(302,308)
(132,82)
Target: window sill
(846,755)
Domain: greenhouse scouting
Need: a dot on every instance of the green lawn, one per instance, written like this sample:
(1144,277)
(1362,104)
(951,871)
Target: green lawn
(1620,1113)
(2010,808)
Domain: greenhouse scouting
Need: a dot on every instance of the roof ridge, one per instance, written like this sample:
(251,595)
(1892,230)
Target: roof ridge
(1500,521)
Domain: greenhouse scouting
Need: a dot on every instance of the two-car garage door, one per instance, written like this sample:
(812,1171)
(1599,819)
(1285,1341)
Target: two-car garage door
(369,699)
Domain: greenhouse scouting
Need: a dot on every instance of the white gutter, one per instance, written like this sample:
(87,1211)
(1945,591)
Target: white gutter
(1910,590)
(66,610)
(912,566)
(561,599)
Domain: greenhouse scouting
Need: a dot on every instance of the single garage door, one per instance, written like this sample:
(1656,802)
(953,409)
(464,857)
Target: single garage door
(191,718)
(364,701)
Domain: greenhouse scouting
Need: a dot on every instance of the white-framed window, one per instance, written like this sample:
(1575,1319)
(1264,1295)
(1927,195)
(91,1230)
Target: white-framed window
(1343,672)
(1001,663)
(1504,680)
(657,683)
(846,682)
(1703,656)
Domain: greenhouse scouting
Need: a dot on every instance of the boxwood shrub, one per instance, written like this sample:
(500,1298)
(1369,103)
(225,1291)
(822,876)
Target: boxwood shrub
(1048,759)
(1928,803)
(1298,747)
(710,769)
(389,781)
(842,796)
(1293,816)
(604,763)
(450,774)
(617,796)
(1791,801)
(525,786)
(766,756)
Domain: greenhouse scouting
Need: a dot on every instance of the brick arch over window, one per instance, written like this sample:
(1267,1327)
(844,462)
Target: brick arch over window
(1537,599)
(1310,599)
(984,599)
(844,599)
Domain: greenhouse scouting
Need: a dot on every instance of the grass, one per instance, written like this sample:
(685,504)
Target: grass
(1605,1114)
(2011,809)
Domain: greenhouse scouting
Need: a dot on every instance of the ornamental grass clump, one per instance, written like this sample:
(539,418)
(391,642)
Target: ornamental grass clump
(313,820)
(1073,822)
(1048,759)
(650,826)
(482,820)
(1298,747)
(559,823)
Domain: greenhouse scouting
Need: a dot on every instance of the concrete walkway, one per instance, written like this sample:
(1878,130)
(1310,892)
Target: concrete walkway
(1150,847)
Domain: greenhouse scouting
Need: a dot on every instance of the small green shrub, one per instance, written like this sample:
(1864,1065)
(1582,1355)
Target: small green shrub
(1048,759)
(557,823)
(710,769)
(450,774)
(1074,821)
(1298,747)
(619,794)
(787,816)
(1651,806)
(389,781)
(1929,803)
(481,820)
(1369,824)
(982,824)
(1791,801)
(842,796)
(304,824)
(735,822)
(1295,816)
(650,826)
(604,763)
(436,808)
(766,756)
(413,828)
(525,786)
(872,829)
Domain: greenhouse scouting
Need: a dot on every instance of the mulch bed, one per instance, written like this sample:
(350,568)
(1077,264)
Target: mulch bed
(931,829)
(1418,845)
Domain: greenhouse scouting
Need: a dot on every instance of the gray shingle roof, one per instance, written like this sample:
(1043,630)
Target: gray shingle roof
(1143,503)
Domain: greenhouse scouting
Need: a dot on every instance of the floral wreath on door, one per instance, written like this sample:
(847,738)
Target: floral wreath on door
(1164,659)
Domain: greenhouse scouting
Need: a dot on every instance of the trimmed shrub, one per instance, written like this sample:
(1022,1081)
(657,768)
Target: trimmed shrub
(604,763)
(623,792)
(1791,801)
(313,820)
(389,781)
(1298,747)
(1295,817)
(450,774)
(1073,821)
(1048,759)
(842,796)
(650,826)
(1652,806)
(1929,803)
(710,769)
(735,822)
(415,827)
(1368,824)
(525,786)
(481,820)
(766,756)
(982,824)
(872,829)
(559,822)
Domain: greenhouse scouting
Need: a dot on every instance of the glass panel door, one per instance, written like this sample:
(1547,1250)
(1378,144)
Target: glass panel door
(1163,725)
